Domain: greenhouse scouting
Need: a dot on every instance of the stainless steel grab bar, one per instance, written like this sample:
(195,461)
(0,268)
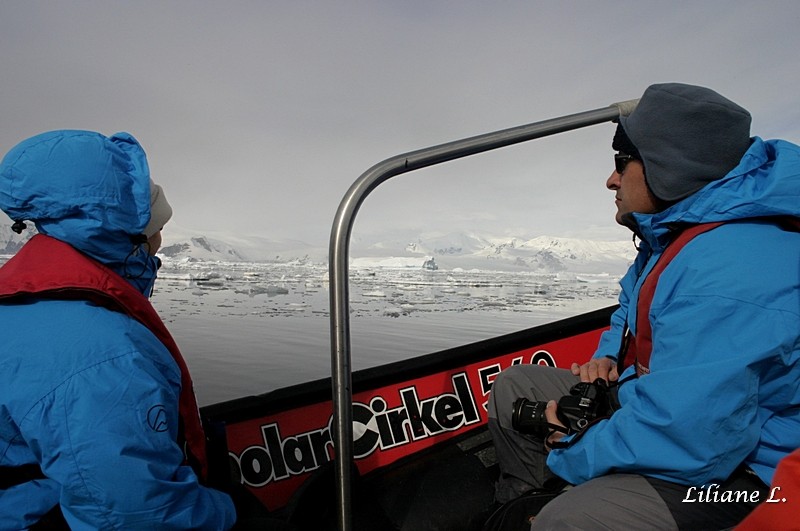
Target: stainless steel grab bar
(338,260)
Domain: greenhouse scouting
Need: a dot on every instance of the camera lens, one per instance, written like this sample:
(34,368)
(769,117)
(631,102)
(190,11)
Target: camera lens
(528,417)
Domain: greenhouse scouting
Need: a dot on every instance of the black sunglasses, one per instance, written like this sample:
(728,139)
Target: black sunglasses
(620,161)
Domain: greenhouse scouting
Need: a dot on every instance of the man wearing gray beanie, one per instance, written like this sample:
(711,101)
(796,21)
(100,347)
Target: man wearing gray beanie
(703,353)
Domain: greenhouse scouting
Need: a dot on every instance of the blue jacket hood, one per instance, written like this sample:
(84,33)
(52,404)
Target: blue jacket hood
(765,183)
(81,187)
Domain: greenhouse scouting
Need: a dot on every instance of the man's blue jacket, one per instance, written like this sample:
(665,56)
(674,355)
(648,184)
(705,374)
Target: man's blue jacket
(89,394)
(724,386)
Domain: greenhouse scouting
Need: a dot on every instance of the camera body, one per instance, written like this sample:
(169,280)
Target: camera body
(585,402)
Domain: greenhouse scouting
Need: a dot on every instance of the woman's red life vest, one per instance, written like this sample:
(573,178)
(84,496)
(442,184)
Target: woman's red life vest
(49,268)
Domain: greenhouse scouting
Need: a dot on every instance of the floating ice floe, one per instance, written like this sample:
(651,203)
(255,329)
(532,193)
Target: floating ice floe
(375,294)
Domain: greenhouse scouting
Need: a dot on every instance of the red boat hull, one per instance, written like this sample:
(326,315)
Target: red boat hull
(276,441)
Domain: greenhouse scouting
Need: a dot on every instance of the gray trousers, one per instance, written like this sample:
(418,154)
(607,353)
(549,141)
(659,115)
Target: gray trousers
(615,501)
(521,457)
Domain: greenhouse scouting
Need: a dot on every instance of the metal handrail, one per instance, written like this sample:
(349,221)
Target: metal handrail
(338,260)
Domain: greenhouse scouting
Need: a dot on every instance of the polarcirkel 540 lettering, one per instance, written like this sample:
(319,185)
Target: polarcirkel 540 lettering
(375,426)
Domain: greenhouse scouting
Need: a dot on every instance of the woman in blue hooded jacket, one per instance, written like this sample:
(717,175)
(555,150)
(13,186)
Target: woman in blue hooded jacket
(97,414)
(711,403)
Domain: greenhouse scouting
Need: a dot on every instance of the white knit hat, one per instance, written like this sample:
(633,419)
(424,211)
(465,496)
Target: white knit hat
(160,211)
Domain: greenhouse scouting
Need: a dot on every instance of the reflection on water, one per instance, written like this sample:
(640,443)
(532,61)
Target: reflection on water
(250,328)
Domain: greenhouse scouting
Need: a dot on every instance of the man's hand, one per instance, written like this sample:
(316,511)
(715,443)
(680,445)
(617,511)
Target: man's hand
(604,368)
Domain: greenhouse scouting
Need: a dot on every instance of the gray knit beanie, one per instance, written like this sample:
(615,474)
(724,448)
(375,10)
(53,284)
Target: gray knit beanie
(160,210)
(686,136)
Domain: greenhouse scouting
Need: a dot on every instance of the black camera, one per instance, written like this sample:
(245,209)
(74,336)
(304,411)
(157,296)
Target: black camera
(584,403)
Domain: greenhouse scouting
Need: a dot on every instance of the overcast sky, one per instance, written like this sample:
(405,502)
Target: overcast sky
(258,115)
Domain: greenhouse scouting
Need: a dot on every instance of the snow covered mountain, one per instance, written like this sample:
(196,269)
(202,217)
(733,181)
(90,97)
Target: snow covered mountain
(570,254)
(449,251)
(182,244)
(542,254)
(202,248)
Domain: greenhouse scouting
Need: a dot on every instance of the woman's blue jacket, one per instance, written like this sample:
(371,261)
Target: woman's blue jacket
(89,394)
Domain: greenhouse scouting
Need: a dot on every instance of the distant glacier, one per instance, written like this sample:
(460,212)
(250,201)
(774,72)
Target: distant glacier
(454,250)
(544,254)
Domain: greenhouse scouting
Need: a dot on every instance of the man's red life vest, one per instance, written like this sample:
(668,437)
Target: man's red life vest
(637,349)
(47,267)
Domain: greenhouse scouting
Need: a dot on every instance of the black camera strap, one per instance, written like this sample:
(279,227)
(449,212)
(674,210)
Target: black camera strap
(555,428)
(559,445)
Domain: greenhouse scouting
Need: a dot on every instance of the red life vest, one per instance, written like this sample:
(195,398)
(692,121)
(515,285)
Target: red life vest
(780,509)
(637,349)
(47,267)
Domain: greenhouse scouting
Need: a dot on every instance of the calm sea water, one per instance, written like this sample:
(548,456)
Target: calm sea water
(249,329)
